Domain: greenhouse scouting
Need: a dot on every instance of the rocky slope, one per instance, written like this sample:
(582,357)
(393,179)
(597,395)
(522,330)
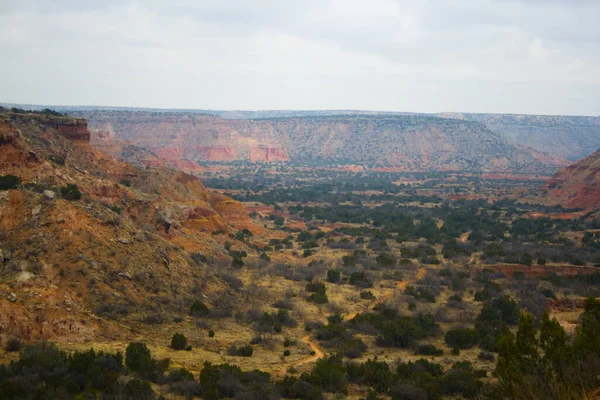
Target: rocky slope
(570,137)
(69,267)
(577,186)
(404,142)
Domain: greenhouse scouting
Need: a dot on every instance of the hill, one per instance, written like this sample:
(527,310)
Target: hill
(570,137)
(85,237)
(401,142)
(575,186)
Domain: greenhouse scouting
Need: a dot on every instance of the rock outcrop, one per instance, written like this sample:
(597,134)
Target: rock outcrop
(268,154)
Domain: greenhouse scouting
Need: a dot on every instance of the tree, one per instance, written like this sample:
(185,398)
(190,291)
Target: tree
(461,338)
(138,389)
(178,341)
(138,357)
(333,275)
(330,374)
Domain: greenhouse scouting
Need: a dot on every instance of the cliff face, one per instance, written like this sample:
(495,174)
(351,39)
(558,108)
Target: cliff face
(402,142)
(193,137)
(66,266)
(577,186)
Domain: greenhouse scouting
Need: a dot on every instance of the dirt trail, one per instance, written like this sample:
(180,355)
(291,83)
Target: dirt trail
(313,358)
(315,346)
(463,238)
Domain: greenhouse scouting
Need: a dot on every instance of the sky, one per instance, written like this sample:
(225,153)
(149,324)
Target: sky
(500,56)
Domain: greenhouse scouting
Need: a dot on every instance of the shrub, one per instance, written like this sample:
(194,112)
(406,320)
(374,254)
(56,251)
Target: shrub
(13,345)
(462,338)
(199,258)
(385,260)
(138,389)
(359,278)
(315,287)
(367,295)
(138,357)
(211,333)
(70,192)
(333,276)
(429,350)
(245,351)
(318,298)
(286,353)
(180,374)
(407,392)
(9,182)
(139,360)
(125,182)
(56,159)
(518,275)
(485,356)
(178,341)
(198,309)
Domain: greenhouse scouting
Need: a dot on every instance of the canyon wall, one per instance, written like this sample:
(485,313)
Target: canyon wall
(400,142)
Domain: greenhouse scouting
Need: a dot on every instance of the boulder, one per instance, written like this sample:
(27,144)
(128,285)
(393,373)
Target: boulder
(126,275)
(49,194)
(36,210)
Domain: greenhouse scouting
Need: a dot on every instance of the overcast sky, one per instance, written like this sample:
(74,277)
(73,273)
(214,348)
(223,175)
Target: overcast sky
(529,56)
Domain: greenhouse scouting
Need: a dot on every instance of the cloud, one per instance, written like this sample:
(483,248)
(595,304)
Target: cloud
(429,55)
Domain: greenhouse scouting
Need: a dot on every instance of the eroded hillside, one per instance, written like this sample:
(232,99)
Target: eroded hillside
(575,186)
(402,142)
(570,137)
(84,237)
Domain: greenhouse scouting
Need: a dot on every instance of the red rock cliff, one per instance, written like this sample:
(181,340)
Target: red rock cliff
(268,154)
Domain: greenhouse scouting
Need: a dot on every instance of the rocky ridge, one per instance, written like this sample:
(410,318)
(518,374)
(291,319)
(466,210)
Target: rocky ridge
(69,266)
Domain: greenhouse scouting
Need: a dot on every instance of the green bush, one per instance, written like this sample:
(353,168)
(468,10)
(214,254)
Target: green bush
(13,345)
(138,389)
(315,287)
(70,192)
(9,182)
(367,295)
(286,353)
(198,309)
(58,160)
(139,359)
(245,351)
(178,341)
(462,338)
(211,333)
(429,350)
(333,276)
(318,298)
